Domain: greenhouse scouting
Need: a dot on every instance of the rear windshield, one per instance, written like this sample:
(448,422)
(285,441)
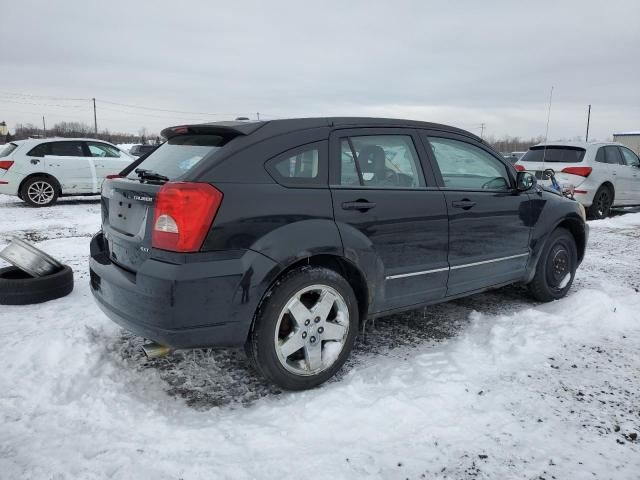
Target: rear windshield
(7,149)
(180,154)
(554,154)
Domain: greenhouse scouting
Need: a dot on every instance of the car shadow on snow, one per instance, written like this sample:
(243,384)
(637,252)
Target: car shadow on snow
(207,378)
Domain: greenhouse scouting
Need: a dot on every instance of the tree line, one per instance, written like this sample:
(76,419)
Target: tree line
(79,129)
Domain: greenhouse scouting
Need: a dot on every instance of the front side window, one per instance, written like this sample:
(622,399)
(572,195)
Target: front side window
(465,166)
(380,161)
(630,158)
(102,150)
(66,149)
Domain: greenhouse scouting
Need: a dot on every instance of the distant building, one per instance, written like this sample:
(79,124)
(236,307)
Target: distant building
(630,139)
(3,129)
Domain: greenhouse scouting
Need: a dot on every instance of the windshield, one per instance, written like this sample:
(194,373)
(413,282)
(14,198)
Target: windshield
(179,155)
(554,154)
(7,149)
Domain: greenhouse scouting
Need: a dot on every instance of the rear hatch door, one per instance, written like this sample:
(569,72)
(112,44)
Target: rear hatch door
(128,202)
(557,158)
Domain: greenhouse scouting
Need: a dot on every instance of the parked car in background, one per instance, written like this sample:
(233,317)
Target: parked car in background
(513,157)
(604,175)
(283,236)
(139,150)
(41,170)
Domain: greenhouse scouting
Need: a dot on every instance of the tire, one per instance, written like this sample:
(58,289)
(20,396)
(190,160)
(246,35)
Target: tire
(559,258)
(602,201)
(19,288)
(330,333)
(40,191)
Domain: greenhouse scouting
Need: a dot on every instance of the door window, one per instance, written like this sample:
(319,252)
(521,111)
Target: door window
(630,158)
(465,166)
(66,149)
(612,156)
(102,150)
(380,161)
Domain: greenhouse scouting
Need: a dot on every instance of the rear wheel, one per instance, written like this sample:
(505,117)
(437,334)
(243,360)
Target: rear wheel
(305,329)
(602,201)
(556,267)
(40,191)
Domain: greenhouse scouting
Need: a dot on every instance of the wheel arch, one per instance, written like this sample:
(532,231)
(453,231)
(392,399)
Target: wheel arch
(40,174)
(338,264)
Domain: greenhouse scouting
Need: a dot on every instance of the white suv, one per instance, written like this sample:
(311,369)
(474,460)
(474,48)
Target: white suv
(40,170)
(604,175)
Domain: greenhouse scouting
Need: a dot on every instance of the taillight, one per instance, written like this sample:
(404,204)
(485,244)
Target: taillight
(183,215)
(520,168)
(581,171)
(6,164)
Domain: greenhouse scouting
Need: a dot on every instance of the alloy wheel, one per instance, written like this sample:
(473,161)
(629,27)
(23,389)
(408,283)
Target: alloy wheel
(41,192)
(312,329)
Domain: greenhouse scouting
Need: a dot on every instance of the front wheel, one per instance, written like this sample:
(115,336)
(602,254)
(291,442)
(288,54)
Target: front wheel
(556,267)
(305,328)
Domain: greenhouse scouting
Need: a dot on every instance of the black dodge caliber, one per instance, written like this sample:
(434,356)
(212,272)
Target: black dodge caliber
(283,236)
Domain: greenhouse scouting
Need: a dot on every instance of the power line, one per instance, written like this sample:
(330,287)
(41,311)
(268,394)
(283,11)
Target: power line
(166,110)
(44,96)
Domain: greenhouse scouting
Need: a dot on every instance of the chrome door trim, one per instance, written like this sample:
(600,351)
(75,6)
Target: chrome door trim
(456,267)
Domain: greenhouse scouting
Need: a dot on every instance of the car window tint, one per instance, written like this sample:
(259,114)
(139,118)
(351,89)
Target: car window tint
(102,150)
(551,153)
(66,149)
(630,158)
(7,149)
(466,166)
(612,155)
(600,156)
(303,164)
(39,150)
(381,161)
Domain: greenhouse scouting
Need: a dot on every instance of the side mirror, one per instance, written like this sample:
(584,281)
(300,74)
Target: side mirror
(525,181)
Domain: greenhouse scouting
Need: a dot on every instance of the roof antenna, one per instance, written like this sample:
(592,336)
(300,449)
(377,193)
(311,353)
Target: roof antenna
(546,133)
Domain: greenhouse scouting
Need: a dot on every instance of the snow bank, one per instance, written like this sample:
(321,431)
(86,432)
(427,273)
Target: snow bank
(520,391)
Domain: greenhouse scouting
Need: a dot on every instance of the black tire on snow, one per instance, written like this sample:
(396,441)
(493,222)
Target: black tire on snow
(602,203)
(260,346)
(560,247)
(19,288)
(51,182)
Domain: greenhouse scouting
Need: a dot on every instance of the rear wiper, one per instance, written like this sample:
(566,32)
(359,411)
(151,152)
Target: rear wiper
(150,176)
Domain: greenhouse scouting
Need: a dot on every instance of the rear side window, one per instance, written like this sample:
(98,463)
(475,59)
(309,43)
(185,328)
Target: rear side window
(301,166)
(560,154)
(7,149)
(39,150)
(380,161)
(180,154)
(612,156)
(66,149)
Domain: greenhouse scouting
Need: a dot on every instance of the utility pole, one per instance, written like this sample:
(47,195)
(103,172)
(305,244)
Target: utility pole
(44,128)
(258,115)
(482,130)
(586,137)
(95,118)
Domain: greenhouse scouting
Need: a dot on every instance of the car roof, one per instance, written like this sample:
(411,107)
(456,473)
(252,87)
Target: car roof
(584,145)
(287,125)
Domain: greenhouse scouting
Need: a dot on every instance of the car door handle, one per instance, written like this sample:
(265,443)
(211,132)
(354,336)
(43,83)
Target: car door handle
(361,205)
(464,204)
(35,161)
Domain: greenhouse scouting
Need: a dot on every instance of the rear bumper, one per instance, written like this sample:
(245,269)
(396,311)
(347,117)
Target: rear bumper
(197,304)
(8,183)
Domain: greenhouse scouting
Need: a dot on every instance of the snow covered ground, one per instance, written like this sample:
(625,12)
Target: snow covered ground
(491,386)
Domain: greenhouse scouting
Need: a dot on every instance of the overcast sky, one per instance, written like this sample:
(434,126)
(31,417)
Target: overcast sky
(460,63)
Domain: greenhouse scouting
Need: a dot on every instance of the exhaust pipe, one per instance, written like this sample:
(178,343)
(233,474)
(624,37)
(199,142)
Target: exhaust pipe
(155,350)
